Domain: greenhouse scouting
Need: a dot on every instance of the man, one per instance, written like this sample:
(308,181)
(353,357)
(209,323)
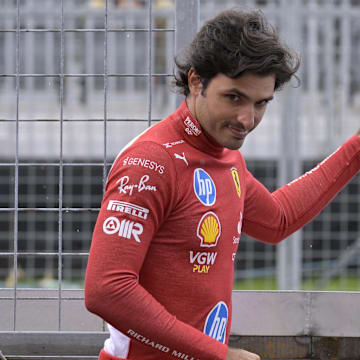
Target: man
(160,270)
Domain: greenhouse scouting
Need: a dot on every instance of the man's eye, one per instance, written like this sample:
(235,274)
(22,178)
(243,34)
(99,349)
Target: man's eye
(233,97)
(263,102)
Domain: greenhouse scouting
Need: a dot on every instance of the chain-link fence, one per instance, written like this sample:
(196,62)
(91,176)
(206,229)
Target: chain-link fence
(79,79)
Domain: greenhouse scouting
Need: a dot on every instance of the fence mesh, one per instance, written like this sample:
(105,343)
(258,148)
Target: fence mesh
(79,79)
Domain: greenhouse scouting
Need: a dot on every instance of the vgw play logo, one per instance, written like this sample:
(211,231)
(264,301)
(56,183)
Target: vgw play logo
(204,187)
(216,321)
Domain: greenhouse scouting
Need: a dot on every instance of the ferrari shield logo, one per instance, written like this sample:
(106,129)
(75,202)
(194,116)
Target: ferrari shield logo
(235,176)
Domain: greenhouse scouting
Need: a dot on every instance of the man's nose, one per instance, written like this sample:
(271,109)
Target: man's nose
(246,117)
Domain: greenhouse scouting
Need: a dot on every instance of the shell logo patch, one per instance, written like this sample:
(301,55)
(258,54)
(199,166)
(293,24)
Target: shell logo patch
(209,229)
(236,179)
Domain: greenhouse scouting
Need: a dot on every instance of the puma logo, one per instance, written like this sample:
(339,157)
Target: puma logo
(181,158)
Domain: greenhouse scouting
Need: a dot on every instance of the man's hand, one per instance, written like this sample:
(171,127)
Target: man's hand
(358,132)
(239,354)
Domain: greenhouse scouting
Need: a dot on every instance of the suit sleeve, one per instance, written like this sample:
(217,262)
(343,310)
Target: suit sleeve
(140,192)
(271,217)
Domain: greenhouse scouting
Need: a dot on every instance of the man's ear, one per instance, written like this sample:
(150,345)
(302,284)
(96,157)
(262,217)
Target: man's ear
(194,82)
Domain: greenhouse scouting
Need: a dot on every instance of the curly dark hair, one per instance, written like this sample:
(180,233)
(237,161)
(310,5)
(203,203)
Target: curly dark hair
(233,43)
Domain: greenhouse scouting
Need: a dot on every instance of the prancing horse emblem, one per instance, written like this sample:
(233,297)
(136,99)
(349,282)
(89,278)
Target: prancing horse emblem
(236,179)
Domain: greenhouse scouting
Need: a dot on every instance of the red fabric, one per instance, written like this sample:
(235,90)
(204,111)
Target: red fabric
(164,243)
(295,204)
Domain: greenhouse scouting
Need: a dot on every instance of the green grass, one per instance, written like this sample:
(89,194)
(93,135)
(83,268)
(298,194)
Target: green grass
(266,283)
(348,283)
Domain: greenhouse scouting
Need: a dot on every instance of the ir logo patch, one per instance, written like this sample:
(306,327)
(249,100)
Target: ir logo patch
(124,228)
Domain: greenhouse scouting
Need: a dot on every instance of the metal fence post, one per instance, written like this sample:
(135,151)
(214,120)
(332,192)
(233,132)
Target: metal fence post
(289,252)
(187,25)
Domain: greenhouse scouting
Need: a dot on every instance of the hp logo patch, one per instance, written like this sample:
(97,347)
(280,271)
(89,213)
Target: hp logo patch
(204,187)
(216,321)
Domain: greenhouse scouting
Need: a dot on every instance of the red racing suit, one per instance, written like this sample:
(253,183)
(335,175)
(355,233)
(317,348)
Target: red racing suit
(161,262)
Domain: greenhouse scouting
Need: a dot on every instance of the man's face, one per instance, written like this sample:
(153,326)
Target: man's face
(229,108)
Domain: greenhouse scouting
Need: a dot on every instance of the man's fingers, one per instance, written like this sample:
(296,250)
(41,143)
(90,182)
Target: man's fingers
(246,355)
(240,354)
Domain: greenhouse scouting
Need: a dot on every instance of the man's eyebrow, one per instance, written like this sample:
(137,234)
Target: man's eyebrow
(239,93)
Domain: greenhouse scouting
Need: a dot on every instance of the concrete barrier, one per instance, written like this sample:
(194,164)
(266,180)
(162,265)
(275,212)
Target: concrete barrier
(274,324)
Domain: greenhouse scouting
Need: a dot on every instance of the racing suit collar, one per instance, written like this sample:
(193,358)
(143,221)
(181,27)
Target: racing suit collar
(193,133)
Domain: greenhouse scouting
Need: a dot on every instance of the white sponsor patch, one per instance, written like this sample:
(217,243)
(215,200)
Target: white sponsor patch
(148,341)
(146,163)
(236,239)
(124,228)
(126,188)
(314,169)
(191,128)
(174,143)
(127,208)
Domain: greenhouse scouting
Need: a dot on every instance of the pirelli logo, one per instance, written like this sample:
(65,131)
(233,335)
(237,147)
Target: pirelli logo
(128,208)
